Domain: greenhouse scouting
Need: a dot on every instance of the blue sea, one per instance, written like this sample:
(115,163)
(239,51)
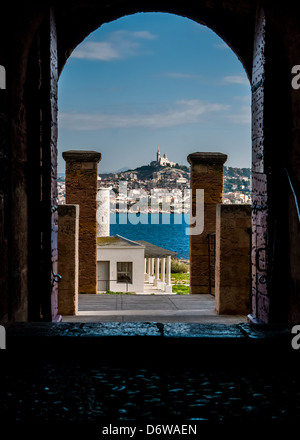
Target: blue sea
(166,231)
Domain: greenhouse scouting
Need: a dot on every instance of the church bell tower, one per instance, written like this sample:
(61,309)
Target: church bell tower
(158,155)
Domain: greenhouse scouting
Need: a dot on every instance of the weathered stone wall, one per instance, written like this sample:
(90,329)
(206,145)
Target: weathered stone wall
(4,221)
(233,259)
(260,306)
(81,189)
(206,174)
(68,240)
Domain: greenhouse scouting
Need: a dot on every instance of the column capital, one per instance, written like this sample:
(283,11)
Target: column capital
(206,158)
(81,156)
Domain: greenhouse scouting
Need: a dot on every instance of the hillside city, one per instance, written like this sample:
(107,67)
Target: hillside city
(165,181)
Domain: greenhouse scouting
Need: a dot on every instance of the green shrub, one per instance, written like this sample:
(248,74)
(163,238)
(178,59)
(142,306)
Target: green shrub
(178,266)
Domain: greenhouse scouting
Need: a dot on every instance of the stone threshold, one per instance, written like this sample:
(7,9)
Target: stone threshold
(132,344)
(111,329)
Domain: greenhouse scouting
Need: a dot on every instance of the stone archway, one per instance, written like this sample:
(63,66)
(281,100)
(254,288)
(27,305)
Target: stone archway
(41,46)
(194,266)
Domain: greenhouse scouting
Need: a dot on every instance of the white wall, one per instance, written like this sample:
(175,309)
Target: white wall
(124,254)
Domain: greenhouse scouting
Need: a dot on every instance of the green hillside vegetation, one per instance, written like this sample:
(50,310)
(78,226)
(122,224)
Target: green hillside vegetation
(237,172)
(235,179)
(145,172)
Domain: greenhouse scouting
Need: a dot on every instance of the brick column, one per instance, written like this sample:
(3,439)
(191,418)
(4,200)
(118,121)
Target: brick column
(68,228)
(81,189)
(206,174)
(233,259)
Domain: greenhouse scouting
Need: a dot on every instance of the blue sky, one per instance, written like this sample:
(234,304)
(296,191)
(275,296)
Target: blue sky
(150,80)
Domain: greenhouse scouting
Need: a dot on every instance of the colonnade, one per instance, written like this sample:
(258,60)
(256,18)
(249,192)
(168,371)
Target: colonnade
(158,272)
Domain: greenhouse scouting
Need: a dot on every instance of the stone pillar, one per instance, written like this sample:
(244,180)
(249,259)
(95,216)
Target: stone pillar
(81,189)
(206,174)
(151,272)
(163,270)
(156,280)
(169,285)
(152,267)
(148,268)
(68,230)
(233,259)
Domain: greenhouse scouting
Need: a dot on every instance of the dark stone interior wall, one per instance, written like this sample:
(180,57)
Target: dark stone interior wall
(287,27)
(282,155)
(270,131)
(16,33)
(21,52)
(232,20)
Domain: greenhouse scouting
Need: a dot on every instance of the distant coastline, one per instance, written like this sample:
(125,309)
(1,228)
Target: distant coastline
(236,184)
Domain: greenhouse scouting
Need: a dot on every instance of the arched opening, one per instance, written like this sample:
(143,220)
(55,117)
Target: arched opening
(28,240)
(49,42)
(190,85)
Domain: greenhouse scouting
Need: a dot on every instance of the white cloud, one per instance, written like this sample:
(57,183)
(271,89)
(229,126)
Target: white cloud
(118,45)
(182,112)
(236,79)
(93,50)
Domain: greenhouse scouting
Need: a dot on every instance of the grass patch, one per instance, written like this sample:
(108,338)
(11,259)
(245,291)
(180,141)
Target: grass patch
(180,289)
(180,278)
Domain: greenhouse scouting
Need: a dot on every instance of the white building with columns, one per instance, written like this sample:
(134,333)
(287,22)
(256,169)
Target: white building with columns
(120,265)
(125,265)
(158,266)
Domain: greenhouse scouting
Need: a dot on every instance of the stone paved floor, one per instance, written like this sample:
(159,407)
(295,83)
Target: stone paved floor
(159,308)
(63,392)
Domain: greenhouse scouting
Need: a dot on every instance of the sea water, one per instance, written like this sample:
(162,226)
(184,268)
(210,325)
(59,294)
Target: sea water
(166,231)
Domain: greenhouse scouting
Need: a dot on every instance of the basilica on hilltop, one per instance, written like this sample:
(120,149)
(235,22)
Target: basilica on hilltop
(161,161)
